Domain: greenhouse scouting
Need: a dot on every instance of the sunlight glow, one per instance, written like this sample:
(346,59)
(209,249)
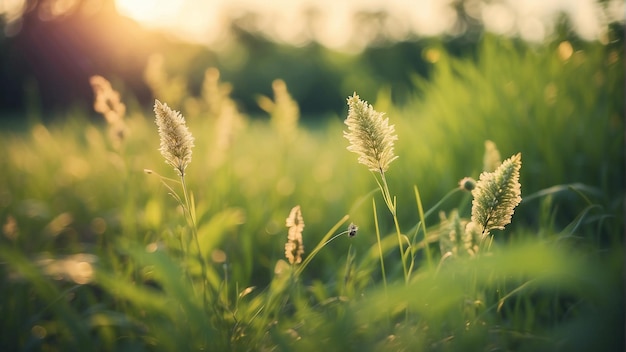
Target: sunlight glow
(356,24)
(151,12)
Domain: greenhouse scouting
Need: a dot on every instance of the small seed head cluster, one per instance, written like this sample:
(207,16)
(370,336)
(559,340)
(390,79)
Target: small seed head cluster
(467,184)
(352,230)
(370,135)
(294,248)
(176,140)
(455,239)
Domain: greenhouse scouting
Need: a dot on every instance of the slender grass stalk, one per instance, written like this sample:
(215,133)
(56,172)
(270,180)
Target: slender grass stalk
(415,229)
(176,147)
(372,138)
(420,209)
(323,242)
(391,205)
(347,276)
(380,247)
(190,210)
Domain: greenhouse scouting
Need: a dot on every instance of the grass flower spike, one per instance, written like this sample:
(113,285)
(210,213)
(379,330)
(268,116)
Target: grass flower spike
(370,135)
(284,110)
(294,248)
(107,102)
(491,159)
(496,195)
(176,140)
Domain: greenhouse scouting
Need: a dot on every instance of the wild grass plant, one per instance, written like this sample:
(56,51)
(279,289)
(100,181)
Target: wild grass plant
(215,256)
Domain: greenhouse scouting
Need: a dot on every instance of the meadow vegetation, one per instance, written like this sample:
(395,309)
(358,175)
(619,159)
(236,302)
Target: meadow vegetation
(261,234)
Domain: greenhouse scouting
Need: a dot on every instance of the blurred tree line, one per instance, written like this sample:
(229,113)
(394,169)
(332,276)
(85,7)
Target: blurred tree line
(46,63)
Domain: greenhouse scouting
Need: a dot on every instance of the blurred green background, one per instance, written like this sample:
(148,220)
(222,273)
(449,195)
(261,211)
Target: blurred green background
(322,51)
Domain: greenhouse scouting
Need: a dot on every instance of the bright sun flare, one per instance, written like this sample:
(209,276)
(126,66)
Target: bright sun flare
(149,11)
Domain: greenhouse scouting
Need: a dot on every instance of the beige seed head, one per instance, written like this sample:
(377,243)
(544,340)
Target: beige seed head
(107,100)
(496,195)
(370,135)
(176,140)
(294,248)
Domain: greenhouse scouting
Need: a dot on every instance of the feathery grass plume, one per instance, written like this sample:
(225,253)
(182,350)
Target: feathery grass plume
(107,102)
(227,125)
(472,238)
(171,89)
(284,111)
(495,197)
(176,140)
(106,99)
(458,237)
(491,159)
(215,93)
(223,110)
(370,135)
(294,248)
(451,233)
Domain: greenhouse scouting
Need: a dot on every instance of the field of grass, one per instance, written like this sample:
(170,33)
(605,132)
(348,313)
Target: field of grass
(98,254)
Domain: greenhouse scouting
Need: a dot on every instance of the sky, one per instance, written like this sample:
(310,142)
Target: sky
(331,22)
(333,25)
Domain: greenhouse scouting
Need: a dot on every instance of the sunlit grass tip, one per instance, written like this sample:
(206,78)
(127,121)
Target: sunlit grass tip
(495,197)
(370,135)
(176,140)
(294,248)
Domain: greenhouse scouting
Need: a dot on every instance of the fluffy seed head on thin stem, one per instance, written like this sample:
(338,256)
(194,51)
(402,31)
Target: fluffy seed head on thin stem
(496,195)
(294,248)
(176,140)
(370,135)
